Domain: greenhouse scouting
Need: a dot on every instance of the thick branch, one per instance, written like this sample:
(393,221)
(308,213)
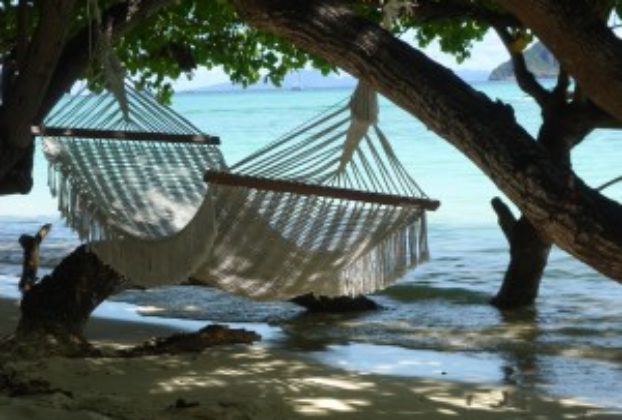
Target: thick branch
(25,91)
(560,92)
(22,31)
(581,41)
(506,219)
(577,218)
(31,83)
(525,78)
(18,179)
(590,117)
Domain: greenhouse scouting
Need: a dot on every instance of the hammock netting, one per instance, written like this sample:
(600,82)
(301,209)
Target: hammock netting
(146,210)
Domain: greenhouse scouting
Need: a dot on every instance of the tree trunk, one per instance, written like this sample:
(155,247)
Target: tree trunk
(55,310)
(529,249)
(18,179)
(573,215)
(528,257)
(24,86)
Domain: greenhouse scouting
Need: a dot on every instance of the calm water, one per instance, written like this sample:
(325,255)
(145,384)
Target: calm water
(436,321)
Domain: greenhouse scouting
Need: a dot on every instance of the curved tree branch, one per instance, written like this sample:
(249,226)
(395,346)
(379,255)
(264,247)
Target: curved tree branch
(572,30)
(30,85)
(560,91)
(506,218)
(577,218)
(25,92)
(525,78)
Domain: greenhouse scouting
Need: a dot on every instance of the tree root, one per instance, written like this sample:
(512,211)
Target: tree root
(341,304)
(210,336)
(43,346)
(37,345)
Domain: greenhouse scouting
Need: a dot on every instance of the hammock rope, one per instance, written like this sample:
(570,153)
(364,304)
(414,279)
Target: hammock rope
(326,209)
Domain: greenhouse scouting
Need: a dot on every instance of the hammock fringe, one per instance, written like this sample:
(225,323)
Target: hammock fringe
(145,210)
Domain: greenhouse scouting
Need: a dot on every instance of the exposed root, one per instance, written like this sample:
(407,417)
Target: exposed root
(341,304)
(210,336)
(43,345)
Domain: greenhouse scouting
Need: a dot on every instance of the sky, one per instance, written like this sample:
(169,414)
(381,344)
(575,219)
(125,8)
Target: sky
(485,56)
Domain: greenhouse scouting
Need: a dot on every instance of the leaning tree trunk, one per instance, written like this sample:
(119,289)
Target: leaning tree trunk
(529,247)
(574,216)
(529,254)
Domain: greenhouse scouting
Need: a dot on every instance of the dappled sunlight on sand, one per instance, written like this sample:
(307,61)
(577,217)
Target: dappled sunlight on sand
(327,405)
(256,382)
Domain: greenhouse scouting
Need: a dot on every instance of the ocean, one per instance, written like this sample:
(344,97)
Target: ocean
(436,321)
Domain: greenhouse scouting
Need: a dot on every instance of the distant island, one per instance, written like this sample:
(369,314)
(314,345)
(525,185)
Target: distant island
(539,60)
(314,79)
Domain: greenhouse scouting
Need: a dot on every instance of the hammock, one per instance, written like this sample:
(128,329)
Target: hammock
(326,209)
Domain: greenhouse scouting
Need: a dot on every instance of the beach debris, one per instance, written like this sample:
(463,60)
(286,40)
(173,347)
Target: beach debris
(210,336)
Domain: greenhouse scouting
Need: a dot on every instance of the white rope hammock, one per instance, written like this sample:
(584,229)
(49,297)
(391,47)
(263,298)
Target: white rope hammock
(327,209)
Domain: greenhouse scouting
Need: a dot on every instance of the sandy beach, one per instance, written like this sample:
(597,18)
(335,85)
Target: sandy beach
(250,382)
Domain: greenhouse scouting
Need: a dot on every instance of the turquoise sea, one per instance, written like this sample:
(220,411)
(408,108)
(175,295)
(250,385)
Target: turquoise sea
(436,321)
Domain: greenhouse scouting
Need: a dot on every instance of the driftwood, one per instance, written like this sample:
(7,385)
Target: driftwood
(210,336)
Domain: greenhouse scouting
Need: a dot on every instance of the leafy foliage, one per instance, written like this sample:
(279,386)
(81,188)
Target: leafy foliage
(188,34)
(454,37)
(206,33)
(192,33)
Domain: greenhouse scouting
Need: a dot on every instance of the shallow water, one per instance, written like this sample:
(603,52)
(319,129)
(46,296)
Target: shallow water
(436,321)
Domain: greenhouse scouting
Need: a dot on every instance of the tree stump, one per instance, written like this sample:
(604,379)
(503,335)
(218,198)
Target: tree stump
(54,310)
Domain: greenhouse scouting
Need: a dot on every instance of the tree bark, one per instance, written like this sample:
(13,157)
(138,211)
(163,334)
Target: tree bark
(31,246)
(572,30)
(528,257)
(570,213)
(55,310)
(27,86)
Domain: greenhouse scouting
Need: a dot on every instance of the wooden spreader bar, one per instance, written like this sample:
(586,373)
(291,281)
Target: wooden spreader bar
(261,183)
(89,133)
